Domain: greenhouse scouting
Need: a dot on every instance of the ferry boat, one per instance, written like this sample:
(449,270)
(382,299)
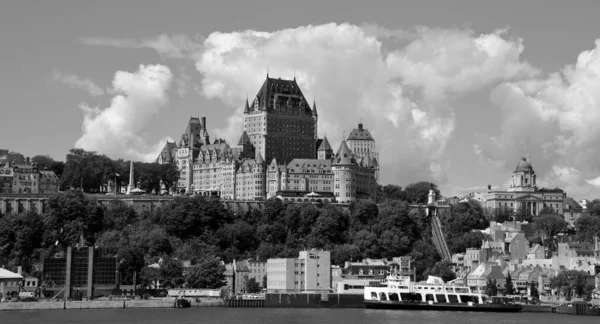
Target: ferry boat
(400,292)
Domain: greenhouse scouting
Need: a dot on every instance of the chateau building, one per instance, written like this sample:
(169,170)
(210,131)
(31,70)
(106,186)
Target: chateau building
(361,143)
(280,123)
(524,193)
(275,155)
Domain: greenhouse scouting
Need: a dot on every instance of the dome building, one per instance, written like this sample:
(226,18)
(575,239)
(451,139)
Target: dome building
(523,193)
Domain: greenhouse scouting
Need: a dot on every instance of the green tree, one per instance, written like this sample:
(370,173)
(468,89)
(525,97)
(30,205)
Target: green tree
(209,273)
(510,289)
(548,226)
(417,193)
(593,207)
(149,276)
(424,256)
(171,273)
(571,283)
(534,291)
(587,227)
(131,261)
(441,269)
(252,286)
(491,288)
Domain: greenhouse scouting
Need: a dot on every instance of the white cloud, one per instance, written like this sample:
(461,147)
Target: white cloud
(554,118)
(170,46)
(404,93)
(76,82)
(115,130)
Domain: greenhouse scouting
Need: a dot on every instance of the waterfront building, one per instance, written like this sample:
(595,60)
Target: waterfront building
(310,272)
(257,270)
(523,193)
(83,271)
(9,283)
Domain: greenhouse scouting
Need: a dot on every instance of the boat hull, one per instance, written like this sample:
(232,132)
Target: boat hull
(501,308)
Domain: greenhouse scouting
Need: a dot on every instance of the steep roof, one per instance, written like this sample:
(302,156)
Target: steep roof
(5,274)
(570,203)
(286,88)
(311,165)
(244,139)
(344,155)
(360,133)
(325,145)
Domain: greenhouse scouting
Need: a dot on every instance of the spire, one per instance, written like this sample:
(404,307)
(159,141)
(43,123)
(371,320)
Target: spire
(244,139)
(247,109)
(314,109)
(325,145)
(344,155)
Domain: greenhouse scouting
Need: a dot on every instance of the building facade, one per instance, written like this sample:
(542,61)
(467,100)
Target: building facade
(523,193)
(275,155)
(311,271)
(48,182)
(6,178)
(280,123)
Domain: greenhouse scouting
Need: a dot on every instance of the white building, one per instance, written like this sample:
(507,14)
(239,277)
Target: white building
(310,272)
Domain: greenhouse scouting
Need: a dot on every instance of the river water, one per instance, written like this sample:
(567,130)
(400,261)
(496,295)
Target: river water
(214,315)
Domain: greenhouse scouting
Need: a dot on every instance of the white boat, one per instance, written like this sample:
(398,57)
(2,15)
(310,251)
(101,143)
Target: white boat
(400,292)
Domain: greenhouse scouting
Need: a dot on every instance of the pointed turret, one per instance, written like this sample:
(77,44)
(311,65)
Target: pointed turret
(344,155)
(247,109)
(244,139)
(314,109)
(325,152)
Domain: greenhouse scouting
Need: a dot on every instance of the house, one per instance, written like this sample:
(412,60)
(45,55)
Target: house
(9,283)
(572,210)
(536,252)
(516,245)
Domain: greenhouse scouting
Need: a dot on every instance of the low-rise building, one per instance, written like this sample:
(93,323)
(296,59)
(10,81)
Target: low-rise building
(9,283)
(6,178)
(311,271)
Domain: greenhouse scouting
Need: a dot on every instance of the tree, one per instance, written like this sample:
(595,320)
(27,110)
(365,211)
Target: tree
(534,291)
(510,289)
(594,207)
(209,273)
(571,283)
(548,226)
(587,227)
(252,286)
(417,193)
(171,272)
(43,161)
(441,269)
(491,288)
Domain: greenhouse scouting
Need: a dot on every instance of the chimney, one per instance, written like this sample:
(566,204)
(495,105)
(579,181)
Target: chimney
(203,122)
(489,187)
(360,126)
(19,270)
(27,160)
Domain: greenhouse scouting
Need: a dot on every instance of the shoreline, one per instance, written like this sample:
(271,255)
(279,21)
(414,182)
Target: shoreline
(102,304)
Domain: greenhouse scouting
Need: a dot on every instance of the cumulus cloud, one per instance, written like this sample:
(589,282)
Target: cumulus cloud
(555,118)
(403,92)
(76,82)
(169,46)
(116,130)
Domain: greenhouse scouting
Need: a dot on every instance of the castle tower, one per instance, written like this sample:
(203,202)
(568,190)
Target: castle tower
(325,151)
(344,174)
(362,143)
(280,123)
(131,185)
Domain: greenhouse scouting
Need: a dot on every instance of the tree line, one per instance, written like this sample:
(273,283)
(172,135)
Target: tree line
(92,172)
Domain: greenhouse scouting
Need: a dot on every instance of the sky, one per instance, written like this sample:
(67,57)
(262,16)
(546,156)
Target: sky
(454,92)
